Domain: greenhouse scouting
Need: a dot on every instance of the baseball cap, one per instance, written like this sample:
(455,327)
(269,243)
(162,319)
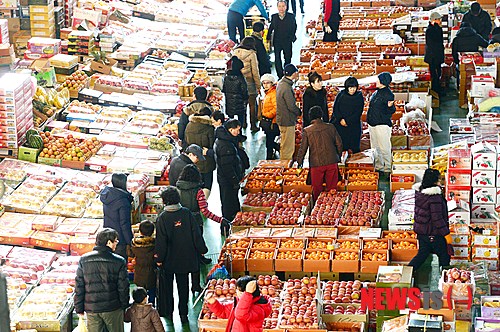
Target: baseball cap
(196,150)
(290,69)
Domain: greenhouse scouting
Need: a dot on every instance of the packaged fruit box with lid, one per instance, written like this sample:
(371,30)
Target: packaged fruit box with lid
(461,282)
(252,219)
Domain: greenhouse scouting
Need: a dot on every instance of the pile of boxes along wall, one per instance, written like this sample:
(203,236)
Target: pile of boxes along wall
(16,110)
(474,172)
(6,49)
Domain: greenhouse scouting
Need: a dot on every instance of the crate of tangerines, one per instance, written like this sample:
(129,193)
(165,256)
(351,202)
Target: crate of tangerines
(374,253)
(233,254)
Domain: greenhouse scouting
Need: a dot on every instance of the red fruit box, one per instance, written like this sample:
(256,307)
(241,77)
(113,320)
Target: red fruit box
(53,241)
(80,245)
(402,181)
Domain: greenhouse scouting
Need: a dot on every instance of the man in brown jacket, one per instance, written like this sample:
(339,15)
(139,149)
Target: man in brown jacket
(325,147)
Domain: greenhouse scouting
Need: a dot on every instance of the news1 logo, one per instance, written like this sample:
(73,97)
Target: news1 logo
(412,298)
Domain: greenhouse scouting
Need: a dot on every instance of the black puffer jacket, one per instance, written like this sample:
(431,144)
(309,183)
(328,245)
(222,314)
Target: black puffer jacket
(312,98)
(434,47)
(379,113)
(236,93)
(466,40)
(262,56)
(117,208)
(188,191)
(178,240)
(101,282)
(176,166)
(229,165)
(431,212)
(481,23)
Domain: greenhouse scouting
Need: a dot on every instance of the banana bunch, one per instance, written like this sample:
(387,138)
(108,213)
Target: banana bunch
(492,304)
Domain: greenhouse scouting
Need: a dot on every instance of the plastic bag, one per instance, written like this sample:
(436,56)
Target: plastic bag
(415,103)
(218,272)
(82,326)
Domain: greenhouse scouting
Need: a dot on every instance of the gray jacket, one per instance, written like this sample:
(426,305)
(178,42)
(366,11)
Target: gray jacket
(287,110)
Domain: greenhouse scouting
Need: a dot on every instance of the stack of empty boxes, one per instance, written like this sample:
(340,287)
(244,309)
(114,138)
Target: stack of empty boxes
(42,21)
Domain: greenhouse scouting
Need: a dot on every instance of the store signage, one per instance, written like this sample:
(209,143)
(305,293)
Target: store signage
(412,298)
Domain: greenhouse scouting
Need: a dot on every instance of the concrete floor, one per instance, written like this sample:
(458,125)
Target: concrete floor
(255,146)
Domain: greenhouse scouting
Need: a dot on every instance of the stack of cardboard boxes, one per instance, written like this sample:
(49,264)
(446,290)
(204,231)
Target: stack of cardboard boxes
(6,49)
(42,20)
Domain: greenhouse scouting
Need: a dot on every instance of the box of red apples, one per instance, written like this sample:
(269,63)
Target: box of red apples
(462,283)
(402,181)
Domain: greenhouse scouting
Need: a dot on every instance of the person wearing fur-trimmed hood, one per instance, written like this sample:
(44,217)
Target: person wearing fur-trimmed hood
(431,220)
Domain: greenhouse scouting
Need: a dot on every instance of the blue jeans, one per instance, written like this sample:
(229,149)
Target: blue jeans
(235,21)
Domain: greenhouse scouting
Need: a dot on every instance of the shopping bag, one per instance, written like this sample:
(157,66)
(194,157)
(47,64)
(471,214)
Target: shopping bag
(82,326)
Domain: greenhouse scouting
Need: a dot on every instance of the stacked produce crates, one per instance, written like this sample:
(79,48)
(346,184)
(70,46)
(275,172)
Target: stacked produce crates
(42,21)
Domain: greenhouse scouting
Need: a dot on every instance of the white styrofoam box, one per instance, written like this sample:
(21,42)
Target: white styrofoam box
(459,216)
(460,239)
(484,195)
(483,178)
(482,211)
(481,85)
(485,252)
(407,227)
(399,219)
(484,156)
(457,261)
(484,240)
(460,251)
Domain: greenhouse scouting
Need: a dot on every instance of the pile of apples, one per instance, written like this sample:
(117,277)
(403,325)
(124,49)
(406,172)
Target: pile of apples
(417,128)
(249,219)
(457,276)
(340,310)
(298,131)
(225,45)
(299,307)
(288,208)
(268,280)
(76,81)
(364,204)
(261,199)
(68,148)
(397,50)
(397,131)
(328,208)
(345,56)
(342,292)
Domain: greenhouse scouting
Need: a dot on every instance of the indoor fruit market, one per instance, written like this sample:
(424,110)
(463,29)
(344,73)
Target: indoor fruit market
(249,165)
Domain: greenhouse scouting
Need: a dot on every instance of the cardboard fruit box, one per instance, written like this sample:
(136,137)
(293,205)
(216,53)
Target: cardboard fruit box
(403,255)
(312,265)
(369,266)
(346,266)
(231,257)
(288,263)
(260,264)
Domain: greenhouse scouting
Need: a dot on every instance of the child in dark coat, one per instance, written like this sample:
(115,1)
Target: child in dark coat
(142,314)
(143,249)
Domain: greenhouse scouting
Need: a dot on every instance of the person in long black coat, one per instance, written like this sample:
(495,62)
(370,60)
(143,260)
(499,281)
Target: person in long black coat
(434,50)
(331,21)
(347,110)
(314,95)
(235,91)
(178,245)
(479,19)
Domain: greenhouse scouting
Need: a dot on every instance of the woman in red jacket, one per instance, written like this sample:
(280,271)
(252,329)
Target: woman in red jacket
(248,311)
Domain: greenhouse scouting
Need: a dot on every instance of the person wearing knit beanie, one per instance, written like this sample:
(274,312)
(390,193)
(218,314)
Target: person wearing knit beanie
(379,122)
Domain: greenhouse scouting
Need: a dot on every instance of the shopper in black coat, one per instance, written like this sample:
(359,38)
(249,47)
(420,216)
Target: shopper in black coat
(191,155)
(229,166)
(347,110)
(262,55)
(282,30)
(479,20)
(178,245)
(331,21)
(101,284)
(235,91)
(434,50)
(379,121)
(117,207)
(314,95)
(431,220)
(193,108)
(466,40)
